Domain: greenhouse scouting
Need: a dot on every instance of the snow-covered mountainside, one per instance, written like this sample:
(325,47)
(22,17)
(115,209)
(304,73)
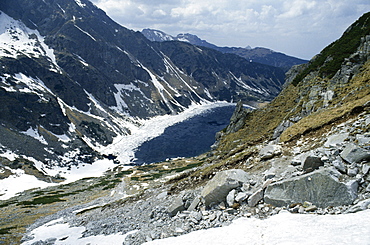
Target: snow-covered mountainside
(258,54)
(72,81)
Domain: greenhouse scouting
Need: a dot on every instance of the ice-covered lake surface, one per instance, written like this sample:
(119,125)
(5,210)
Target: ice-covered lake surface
(188,138)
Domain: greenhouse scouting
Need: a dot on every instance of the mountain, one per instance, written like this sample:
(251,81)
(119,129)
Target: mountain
(71,80)
(303,158)
(258,54)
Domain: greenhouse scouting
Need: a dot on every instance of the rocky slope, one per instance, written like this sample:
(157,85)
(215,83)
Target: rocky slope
(258,54)
(310,155)
(71,80)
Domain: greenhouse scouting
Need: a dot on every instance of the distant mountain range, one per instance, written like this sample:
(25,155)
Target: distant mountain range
(260,55)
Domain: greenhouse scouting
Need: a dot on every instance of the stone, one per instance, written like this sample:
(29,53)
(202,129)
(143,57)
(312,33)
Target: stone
(355,154)
(295,162)
(322,188)
(270,176)
(221,184)
(334,140)
(360,206)
(362,139)
(195,215)
(353,185)
(312,163)
(176,206)
(162,195)
(241,197)
(269,152)
(194,204)
(266,183)
(230,198)
(255,198)
(365,169)
(339,164)
(352,172)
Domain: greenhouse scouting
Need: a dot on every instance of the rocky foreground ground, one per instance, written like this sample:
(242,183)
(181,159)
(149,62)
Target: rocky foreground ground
(326,172)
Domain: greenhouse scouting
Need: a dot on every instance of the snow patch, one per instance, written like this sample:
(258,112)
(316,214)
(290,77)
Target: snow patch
(85,32)
(66,234)
(124,90)
(14,184)
(11,156)
(17,39)
(79,3)
(240,82)
(284,228)
(34,133)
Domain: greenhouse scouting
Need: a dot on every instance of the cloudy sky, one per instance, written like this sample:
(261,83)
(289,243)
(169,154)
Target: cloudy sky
(300,28)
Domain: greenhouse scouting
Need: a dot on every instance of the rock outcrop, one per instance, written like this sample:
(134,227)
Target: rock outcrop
(322,188)
(238,118)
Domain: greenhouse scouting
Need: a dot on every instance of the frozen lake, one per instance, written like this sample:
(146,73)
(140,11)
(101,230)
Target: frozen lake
(188,138)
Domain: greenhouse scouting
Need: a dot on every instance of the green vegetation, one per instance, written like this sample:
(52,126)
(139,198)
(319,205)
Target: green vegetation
(42,200)
(6,230)
(328,62)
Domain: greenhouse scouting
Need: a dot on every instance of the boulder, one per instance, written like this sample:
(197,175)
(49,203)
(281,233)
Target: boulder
(336,139)
(311,163)
(255,198)
(365,169)
(322,188)
(241,197)
(355,154)
(352,172)
(176,206)
(195,203)
(339,164)
(269,151)
(221,184)
(230,198)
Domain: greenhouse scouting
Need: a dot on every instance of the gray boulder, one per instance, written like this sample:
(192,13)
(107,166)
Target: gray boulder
(336,139)
(269,151)
(221,184)
(230,198)
(355,154)
(322,188)
(176,206)
(255,198)
(339,164)
(311,163)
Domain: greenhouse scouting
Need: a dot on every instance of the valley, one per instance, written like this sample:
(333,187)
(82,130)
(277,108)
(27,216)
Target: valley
(107,137)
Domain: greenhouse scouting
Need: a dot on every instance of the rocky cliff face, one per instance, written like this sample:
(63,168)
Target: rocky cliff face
(70,76)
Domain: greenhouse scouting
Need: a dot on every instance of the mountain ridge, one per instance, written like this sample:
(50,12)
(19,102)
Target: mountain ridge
(258,54)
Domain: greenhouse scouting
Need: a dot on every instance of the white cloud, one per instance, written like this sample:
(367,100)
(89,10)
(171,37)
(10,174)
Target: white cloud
(296,27)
